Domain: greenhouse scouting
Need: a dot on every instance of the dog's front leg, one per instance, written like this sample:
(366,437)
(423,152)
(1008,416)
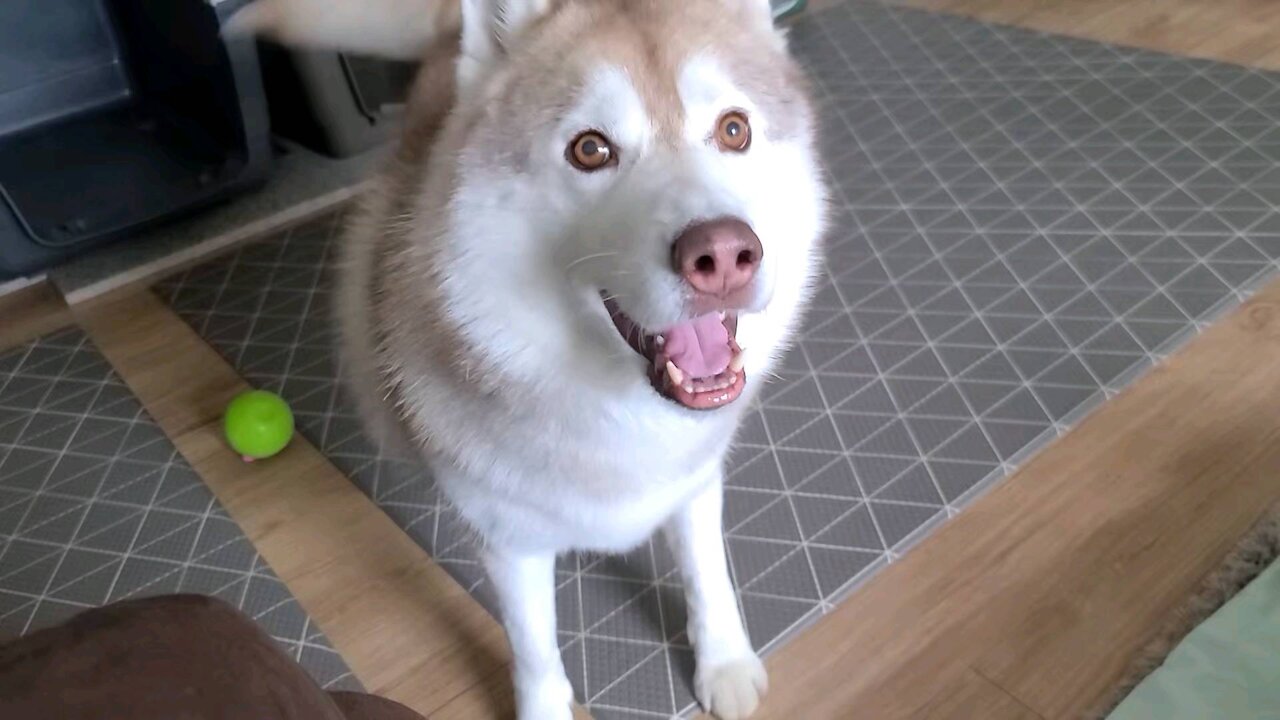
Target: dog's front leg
(729,680)
(526,589)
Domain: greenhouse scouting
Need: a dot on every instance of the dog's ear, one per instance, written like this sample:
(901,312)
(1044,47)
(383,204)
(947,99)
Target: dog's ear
(396,29)
(487,27)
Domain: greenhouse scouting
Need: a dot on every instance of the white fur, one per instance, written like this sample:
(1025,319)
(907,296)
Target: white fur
(487,27)
(612,461)
(526,586)
(730,680)
(588,456)
(781,197)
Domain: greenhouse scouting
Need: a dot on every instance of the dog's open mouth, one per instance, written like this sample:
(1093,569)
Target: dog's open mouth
(696,363)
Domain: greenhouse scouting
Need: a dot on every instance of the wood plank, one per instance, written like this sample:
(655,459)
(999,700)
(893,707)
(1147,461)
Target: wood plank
(494,697)
(1226,30)
(1050,582)
(973,696)
(1249,46)
(29,312)
(407,630)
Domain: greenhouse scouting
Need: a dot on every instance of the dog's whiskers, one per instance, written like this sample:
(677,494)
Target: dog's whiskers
(587,258)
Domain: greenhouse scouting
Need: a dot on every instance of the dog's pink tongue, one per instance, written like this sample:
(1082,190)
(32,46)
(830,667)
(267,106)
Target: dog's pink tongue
(699,347)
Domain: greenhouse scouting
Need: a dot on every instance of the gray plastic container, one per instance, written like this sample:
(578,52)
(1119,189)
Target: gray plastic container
(116,114)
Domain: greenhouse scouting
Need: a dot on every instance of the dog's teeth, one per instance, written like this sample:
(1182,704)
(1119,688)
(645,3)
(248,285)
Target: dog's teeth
(688,387)
(660,340)
(677,377)
(737,362)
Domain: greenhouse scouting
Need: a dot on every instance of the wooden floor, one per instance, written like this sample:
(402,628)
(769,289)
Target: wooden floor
(406,629)
(29,313)
(1025,606)
(1244,32)
(1030,602)
(394,615)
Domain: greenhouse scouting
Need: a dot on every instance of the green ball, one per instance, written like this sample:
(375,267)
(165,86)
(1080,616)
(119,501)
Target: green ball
(258,424)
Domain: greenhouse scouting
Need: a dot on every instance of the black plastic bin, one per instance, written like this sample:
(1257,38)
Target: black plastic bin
(333,103)
(115,114)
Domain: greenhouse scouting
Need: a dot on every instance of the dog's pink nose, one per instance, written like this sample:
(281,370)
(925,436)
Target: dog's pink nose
(717,257)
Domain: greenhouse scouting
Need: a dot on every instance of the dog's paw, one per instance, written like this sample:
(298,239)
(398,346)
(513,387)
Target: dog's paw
(731,690)
(549,698)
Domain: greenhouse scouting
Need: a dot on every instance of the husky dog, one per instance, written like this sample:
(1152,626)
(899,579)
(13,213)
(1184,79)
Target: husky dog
(594,240)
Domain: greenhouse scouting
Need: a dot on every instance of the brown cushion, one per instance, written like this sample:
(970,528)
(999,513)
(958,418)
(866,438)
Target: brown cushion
(362,706)
(177,657)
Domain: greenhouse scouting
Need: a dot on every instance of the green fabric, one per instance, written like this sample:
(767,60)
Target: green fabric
(1228,668)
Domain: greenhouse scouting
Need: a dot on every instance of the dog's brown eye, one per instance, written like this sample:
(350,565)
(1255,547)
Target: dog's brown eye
(591,151)
(733,132)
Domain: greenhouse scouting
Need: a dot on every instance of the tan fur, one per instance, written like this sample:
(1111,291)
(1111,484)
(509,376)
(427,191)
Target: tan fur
(1255,552)
(650,40)
(396,297)
(393,288)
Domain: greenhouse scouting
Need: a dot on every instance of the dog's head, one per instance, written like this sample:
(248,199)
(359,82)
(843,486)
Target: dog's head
(641,166)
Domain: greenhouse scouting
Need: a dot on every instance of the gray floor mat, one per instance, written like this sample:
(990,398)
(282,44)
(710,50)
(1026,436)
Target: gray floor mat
(96,506)
(1024,223)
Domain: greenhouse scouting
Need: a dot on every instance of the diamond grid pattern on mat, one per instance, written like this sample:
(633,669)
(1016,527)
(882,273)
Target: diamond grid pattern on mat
(97,506)
(1022,224)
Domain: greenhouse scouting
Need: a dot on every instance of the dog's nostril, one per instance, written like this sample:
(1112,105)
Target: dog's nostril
(705,264)
(746,259)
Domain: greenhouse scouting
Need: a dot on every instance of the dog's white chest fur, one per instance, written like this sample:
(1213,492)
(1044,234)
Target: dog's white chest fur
(578,478)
